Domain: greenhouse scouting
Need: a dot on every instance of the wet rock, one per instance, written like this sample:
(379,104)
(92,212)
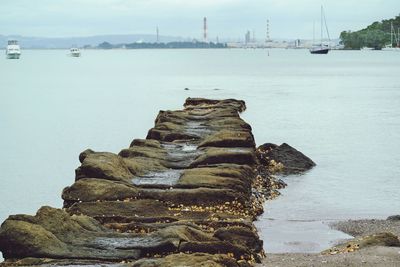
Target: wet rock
(240,236)
(193,196)
(229,176)
(52,233)
(122,209)
(193,259)
(149,152)
(379,239)
(225,138)
(194,185)
(146,142)
(92,190)
(230,122)
(238,105)
(214,155)
(393,218)
(102,165)
(292,160)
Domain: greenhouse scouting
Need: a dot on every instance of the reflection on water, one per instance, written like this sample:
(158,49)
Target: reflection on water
(282,236)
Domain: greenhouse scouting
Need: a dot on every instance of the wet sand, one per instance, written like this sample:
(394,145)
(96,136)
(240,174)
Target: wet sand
(370,256)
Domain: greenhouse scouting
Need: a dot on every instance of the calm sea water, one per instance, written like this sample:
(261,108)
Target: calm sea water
(340,109)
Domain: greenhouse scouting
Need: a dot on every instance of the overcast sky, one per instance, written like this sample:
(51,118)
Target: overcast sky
(226,18)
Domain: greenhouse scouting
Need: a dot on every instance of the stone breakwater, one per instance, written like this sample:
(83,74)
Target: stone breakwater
(186,195)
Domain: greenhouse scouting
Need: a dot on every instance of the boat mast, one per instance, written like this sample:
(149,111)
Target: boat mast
(326,26)
(313,40)
(321,25)
(398,37)
(391,34)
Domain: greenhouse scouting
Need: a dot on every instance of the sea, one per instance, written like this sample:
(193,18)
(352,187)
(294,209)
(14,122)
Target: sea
(341,109)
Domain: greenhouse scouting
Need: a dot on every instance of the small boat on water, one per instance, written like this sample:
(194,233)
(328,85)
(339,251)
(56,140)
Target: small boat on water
(321,48)
(13,50)
(75,52)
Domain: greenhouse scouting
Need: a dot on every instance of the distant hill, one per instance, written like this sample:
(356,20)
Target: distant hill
(376,35)
(67,42)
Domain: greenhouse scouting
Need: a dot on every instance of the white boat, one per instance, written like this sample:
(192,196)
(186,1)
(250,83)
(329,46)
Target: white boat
(75,52)
(13,50)
(321,48)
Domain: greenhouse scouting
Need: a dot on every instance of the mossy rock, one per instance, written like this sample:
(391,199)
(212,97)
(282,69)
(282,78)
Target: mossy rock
(380,239)
(243,156)
(225,138)
(194,259)
(102,165)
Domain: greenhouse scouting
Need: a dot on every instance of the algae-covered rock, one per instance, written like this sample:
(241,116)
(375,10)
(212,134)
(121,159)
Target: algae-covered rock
(238,105)
(190,186)
(230,176)
(215,155)
(92,189)
(193,259)
(393,218)
(149,208)
(52,233)
(102,165)
(240,236)
(378,239)
(292,160)
(226,138)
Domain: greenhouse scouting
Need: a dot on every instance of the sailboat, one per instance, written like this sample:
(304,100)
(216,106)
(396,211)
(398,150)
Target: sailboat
(321,48)
(396,39)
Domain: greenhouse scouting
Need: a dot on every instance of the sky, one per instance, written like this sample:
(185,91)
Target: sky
(226,18)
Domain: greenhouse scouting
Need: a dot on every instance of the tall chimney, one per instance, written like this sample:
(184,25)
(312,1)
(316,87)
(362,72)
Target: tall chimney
(205,29)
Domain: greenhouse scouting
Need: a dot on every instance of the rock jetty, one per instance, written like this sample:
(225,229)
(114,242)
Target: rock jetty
(187,195)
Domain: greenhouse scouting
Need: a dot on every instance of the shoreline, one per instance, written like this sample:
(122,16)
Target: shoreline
(375,242)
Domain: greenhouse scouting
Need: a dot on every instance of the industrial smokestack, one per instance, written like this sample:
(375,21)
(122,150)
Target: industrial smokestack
(205,29)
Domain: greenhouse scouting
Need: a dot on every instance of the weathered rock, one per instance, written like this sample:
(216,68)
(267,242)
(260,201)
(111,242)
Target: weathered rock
(214,155)
(193,259)
(238,105)
(229,176)
(379,239)
(92,189)
(240,236)
(293,161)
(393,218)
(194,185)
(52,233)
(102,165)
(146,142)
(115,210)
(225,138)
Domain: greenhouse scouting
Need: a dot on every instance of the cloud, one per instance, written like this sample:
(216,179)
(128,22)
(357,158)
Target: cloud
(227,18)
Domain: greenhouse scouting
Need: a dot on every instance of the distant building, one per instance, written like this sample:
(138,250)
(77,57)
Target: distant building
(247,37)
(205,29)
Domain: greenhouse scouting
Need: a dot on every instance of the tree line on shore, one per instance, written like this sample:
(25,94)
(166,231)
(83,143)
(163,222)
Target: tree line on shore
(376,36)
